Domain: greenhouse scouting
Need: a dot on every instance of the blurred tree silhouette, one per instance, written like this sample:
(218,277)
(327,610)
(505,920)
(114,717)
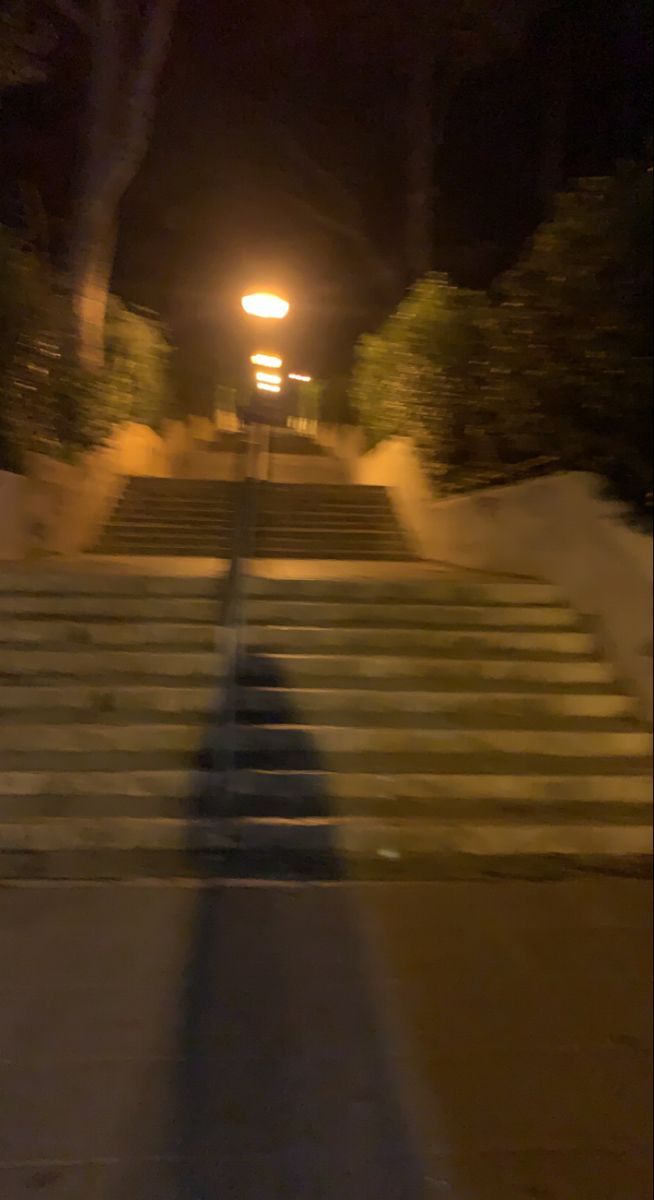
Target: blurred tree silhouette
(552,368)
(47,401)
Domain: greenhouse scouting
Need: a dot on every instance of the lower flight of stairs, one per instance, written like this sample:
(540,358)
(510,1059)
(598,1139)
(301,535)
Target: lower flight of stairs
(393,725)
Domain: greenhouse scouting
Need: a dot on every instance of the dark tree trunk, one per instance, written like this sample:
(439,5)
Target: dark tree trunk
(120,109)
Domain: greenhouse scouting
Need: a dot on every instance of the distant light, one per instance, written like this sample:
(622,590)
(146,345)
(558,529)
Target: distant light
(264,304)
(265,360)
(301,378)
(269,387)
(265,377)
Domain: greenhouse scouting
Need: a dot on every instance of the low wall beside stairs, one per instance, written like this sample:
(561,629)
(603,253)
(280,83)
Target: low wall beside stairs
(59,508)
(558,528)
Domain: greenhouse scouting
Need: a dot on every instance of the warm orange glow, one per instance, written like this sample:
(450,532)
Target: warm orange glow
(269,387)
(266,377)
(264,304)
(301,378)
(265,360)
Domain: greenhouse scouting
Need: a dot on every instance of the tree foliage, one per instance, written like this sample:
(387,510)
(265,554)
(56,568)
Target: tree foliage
(25,40)
(47,401)
(553,367)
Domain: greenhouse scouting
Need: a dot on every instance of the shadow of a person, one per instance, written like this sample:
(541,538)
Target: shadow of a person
(284,1089)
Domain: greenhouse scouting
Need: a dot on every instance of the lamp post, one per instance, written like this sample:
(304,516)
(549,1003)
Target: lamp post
(266,307)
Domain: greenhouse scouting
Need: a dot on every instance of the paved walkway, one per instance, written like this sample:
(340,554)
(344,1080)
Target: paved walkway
(447,1041)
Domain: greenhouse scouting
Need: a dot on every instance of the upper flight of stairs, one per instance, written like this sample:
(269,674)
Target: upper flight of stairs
(398,721)
(171,517)
(337,521)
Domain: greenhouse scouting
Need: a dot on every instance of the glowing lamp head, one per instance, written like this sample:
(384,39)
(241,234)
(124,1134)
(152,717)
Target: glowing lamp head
(268,387)
(301,378)
(268,377)
(265,304)
(266,360)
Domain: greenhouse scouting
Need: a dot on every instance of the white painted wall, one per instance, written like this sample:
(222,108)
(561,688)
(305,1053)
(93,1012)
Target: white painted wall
(558,528)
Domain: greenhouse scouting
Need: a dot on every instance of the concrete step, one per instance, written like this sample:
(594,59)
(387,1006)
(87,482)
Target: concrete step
(186,530)
(107,664)
(439,589)
(72,737)
(339,491)
(287,740)
(393,671)
(289,531)
(335,706)
(114,608)
(447,642)
(291,738)
(612,785)
(391,616)
(114,633)
(59,785)
(163,549)
(155,520)
(211,754)
(364,551)
(345,839)
(314,553)
(295,807)
(87,700)
(159,485)
(618,782)
(149,510)
(77,701)
(49,582)
(210,546)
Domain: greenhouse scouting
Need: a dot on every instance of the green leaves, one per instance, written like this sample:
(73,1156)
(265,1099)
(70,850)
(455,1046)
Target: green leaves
(553,367)
(48,402)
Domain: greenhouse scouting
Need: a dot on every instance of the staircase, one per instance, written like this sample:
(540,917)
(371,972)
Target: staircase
(171,518)
(407,724)
(191,517)
(327,521)
(108,685)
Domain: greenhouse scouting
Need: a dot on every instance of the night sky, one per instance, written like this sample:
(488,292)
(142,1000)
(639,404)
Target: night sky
(227,198)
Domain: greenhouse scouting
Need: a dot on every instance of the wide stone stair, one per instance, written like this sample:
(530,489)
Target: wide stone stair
(109,689)
(327,521)
(194,518)
(453,718)
(171,518)
(399,725)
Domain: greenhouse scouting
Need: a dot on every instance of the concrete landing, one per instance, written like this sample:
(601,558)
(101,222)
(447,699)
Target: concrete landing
(446,1041)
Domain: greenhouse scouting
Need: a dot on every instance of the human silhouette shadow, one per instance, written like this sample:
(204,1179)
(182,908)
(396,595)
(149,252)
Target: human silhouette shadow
(284,1088)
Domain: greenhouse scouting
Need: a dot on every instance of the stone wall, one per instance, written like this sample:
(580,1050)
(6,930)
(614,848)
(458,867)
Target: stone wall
(558,528)
(59,508)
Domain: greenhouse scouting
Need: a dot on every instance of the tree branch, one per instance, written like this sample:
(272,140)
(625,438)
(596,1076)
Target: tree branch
(74,12)
(142,98)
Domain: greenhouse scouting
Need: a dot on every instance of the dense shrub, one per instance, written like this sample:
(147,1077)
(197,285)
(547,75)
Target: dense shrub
(551,368)
(47,402)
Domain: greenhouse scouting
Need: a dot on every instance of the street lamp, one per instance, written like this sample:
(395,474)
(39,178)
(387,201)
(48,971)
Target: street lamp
(267,377)
(265,360)
(301,378)
(268,387)
(266,305)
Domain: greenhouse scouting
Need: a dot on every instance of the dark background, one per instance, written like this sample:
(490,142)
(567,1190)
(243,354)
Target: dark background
(227,196)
